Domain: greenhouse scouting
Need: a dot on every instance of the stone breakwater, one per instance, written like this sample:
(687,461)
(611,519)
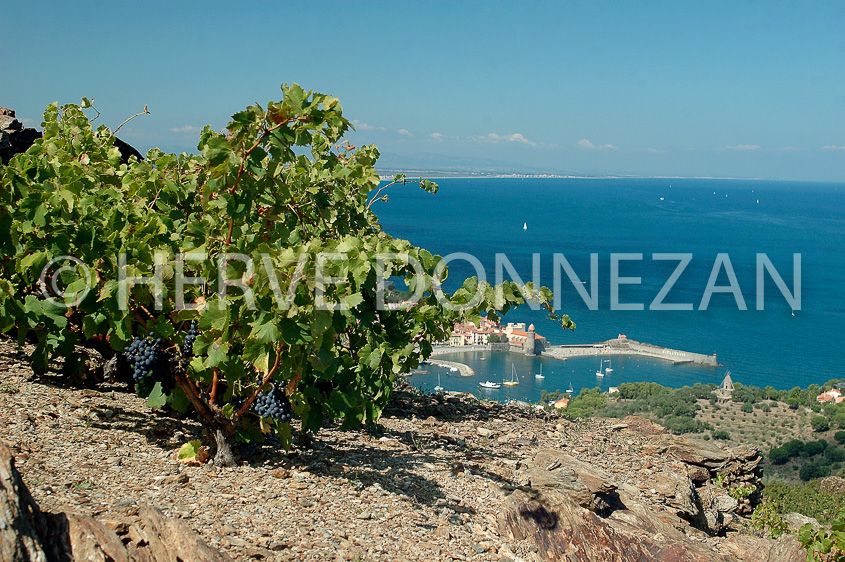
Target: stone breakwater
(625,346)
(465,370)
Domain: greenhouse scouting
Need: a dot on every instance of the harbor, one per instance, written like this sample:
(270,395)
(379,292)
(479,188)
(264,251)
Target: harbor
(510,373)
(621,345)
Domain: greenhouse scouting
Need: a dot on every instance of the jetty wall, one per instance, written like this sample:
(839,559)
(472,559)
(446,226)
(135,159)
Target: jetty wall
(625,346)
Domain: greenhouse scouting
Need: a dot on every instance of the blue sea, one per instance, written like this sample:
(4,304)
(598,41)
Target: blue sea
(702,217)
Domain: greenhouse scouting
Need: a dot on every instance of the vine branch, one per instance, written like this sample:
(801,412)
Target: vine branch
(197,402)
(214,381)
(145,112)
(382,188)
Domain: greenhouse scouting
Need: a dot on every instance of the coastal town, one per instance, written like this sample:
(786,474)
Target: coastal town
(514,336)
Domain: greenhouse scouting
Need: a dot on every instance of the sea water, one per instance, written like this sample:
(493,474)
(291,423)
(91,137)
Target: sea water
(701,217)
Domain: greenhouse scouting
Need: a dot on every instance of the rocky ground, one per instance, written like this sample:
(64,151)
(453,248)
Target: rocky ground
(435,481)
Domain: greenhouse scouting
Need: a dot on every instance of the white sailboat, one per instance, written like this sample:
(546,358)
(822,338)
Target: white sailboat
(608,370)
(513,381)
(525,226)
(540,374)
(438,388)
(570,390)
(599,373)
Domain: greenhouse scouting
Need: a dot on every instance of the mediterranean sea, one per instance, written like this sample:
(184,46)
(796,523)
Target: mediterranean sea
(531,219)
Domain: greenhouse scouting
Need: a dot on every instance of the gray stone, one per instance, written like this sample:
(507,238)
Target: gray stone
(796,521)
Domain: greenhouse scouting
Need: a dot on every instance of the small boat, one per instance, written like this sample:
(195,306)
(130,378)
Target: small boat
(525,226)
(540,374)
(570,390)
(438,388)
(488,384)
(608,370)
(513,381)
(599,373)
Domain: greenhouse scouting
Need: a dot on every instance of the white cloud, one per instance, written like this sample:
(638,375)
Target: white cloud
(833,147)
(518,138)
(743,147)
(405,132)
(362,126)
(655,150)
(587,145)
(438,136)
(186,129)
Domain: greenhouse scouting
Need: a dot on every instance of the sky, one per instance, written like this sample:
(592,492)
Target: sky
(750,89)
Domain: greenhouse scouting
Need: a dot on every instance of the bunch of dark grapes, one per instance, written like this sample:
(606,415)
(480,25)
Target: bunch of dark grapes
(273,404)
(148,357)
(180,364)
(244,450)
(188,345)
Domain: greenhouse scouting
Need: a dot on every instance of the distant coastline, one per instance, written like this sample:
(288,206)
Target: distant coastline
(389,174)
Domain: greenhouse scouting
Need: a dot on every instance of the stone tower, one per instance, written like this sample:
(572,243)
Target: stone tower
(725,392)
(529,347)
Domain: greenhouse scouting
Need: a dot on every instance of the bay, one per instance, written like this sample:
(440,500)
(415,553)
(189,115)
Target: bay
(702,217)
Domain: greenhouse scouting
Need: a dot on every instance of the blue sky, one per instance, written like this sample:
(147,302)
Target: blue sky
(728,89)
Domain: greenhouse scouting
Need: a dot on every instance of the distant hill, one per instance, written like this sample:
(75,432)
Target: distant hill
(453,165)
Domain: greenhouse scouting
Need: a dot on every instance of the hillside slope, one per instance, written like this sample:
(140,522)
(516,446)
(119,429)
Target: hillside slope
(442,478)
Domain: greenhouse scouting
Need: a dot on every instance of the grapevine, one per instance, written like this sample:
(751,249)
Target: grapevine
(278,189)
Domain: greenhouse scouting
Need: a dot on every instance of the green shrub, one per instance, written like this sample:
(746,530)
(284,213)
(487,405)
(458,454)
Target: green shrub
(811,470)
(778,455)
(721,434)
(812,448)
(835,454)
(767,521)
(824,544)
(820,423)
(839,436)
(683,424)
(588,401)
(794,447)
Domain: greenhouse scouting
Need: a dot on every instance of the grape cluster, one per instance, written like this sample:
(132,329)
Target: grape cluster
(188,345)
(273,404)
(244,450)
(149,358)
